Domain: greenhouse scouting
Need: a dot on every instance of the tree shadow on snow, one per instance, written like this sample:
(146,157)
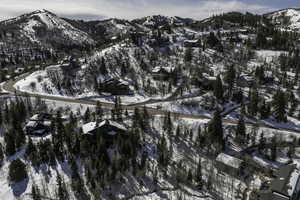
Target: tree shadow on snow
(19,188)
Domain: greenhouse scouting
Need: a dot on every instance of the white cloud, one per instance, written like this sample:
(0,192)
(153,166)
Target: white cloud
(129,9)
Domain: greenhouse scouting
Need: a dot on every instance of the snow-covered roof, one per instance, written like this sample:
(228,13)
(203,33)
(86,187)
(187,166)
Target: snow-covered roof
(159,68)
(208,77)
(35,117)
(293,182)
(87,128)
(40,117)
(19,70)
(113,123)
(229,160)
(247,77)
(117,81)
(156,69)
(31,124)
(47,123)
(191,41)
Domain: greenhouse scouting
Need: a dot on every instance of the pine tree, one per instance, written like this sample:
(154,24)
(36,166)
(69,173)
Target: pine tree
(241,131)
(137,118)
(200,138)
(30,149)
(218,88)
(215,129)
(190,176)
(262,143)
(279,106)
(9,139)
(163,152)
(274,149)
(146,118)
(99,111)
(20,139)
(188,56)
(35,193)
(294,103)
(1,155)
(61,188)
(198,175)
(264,110)
(1,117)
(118,109)
(168,124)
(253,105)
(178,133)
(17,171)
(291,152)
(87,115)
(230,78)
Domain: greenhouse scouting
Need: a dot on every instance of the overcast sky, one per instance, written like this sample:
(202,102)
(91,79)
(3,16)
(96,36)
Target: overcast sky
(129,9)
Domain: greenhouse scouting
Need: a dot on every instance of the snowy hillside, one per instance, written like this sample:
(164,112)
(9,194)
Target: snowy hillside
(288,19)
(39,25)
(153,108)
(159,20)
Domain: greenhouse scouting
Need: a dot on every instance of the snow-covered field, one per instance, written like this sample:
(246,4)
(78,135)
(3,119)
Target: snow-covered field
(268,55)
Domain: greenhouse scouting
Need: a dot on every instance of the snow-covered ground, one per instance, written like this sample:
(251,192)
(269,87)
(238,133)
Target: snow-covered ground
(268,55)
(52,22)
(25,85)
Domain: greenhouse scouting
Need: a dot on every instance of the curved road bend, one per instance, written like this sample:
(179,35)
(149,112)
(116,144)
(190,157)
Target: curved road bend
(9,86)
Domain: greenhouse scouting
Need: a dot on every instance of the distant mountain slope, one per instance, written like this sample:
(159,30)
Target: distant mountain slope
(160,20)
(286,19)
(44,28)
(104,29)
(42,36)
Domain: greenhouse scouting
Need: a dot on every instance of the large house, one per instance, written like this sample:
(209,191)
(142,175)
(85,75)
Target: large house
(285,186)
(162,73)
(192,43)
(206,81)
(245,80)
(38,125)
(116,87)
(108,130)
(229,165)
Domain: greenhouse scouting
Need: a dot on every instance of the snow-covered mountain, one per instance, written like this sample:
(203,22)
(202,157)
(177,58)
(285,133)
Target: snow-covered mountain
(43,27)
(104,29)
(160,20)
(287,19)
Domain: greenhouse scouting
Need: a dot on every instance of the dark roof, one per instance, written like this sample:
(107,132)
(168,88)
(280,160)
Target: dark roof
(272,196)
(285,171)
(283,176)
(41,117)
(115,81)
(281,184)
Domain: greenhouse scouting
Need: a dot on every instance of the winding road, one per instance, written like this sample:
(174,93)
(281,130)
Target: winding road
(8,87)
